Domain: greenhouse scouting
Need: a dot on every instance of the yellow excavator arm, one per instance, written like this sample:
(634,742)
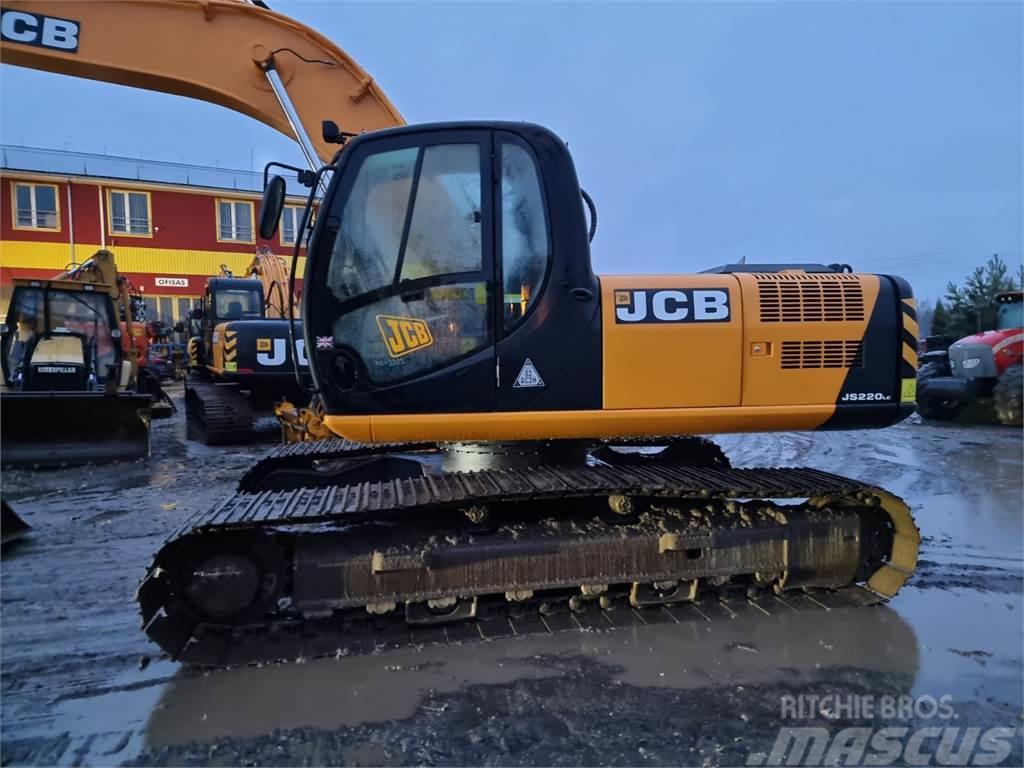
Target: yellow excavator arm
(273,273)
(232,53)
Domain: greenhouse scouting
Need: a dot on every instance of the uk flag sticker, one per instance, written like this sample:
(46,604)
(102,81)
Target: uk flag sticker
(325,342)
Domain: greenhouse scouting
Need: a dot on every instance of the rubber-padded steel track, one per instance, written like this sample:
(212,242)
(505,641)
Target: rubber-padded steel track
(352,503)
(217,414)
(304,455)
(323,559)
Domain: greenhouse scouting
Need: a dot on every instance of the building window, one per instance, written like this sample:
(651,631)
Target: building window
(291,220)
(129,213)
(35,206)
(184,305)
(234,221)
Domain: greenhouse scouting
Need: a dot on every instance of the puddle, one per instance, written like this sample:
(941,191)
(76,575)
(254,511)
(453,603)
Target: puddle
(327,694)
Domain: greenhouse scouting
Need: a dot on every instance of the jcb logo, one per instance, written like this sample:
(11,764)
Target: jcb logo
(403,335)
(685,305)
(40,31)
(273,352)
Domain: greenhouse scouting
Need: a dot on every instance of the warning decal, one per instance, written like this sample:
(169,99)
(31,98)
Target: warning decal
(528,377)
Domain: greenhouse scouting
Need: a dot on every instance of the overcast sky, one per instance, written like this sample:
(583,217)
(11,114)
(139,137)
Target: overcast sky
(886,135)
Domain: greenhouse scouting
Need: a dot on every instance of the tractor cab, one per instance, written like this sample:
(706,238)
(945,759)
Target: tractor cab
(1010,311)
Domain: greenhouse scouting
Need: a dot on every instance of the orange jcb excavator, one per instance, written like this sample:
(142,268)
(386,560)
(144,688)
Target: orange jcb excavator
(498,389)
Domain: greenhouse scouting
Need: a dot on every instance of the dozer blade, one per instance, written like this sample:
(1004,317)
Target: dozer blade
(12,527)
(66,428)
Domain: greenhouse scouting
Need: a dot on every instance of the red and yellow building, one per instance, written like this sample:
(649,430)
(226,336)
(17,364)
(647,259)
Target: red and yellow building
(167,237)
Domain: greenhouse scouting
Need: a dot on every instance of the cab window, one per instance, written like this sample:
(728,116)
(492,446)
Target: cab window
(78,313)
(366,248)
(1011,315)
(524,233)
(401,336)
(391,231)
(407,265)
(444,233)
(238,303)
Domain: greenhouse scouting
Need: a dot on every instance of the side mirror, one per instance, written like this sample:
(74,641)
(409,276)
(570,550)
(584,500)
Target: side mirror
(179,327)
(271,206)
(196,314)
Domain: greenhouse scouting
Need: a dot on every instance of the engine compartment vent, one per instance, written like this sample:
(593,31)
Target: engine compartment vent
(802,298)
(822,354)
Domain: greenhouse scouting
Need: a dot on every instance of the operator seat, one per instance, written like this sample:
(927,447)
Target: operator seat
(234,311)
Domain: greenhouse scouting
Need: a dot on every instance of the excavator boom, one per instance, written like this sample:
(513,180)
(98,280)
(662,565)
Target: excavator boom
(235,54)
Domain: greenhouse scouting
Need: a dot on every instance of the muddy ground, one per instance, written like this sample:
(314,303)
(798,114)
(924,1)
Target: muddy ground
(695,693)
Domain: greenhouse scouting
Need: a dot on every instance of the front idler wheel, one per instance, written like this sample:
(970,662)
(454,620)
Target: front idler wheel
(236,584)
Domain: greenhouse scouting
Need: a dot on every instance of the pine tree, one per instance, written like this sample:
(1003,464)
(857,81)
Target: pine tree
(971,307)
(940,320)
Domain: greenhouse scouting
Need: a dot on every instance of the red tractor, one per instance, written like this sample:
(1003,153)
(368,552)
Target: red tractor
(987,364)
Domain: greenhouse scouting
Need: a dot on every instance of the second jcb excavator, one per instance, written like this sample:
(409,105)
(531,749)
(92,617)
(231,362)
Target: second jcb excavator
(490,392)
(240,360)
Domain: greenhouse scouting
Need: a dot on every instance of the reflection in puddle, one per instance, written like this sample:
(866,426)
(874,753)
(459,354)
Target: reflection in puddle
(331,693)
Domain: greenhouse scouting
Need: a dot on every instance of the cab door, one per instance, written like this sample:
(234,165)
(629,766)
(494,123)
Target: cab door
(402,314)
(548,317)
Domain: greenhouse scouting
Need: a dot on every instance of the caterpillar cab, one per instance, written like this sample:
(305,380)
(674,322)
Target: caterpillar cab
(69,394)
(492,396)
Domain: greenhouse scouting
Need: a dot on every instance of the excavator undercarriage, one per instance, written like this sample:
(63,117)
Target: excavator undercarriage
(218,414)
(271,574)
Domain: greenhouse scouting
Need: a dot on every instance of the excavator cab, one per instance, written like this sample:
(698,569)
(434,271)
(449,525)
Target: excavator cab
(64,373)
(455,258)
(226,299)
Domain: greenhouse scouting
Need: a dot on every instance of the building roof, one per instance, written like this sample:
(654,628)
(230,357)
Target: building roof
(88,164)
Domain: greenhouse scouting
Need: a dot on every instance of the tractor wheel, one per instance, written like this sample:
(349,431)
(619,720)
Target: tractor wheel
(934,408)
(1009,393)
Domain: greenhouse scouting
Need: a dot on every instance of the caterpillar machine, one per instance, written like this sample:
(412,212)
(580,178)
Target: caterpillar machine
(240,361)
(516,437)
(77,387)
